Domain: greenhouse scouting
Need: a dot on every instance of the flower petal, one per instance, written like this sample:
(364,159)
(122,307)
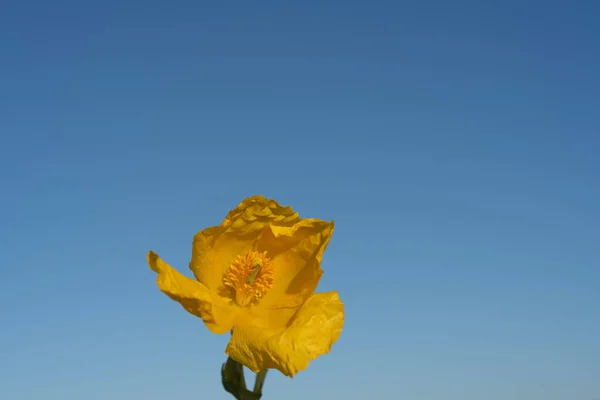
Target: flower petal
(216,247)
(193,296)
(296,252)
(311,332)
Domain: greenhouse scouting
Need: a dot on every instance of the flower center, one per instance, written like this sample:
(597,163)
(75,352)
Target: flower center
(251,276)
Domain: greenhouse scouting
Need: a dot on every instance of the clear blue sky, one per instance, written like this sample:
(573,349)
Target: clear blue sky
(454,143)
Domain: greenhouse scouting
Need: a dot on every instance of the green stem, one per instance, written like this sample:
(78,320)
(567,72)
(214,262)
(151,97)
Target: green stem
(232,377)
(260,381)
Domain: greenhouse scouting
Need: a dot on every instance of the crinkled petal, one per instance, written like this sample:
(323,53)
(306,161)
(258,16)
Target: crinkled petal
(215,248)
(196,298)
(311,332)
(296,253)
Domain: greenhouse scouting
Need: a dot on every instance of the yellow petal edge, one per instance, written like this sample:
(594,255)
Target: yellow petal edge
(193,296)
(312,331)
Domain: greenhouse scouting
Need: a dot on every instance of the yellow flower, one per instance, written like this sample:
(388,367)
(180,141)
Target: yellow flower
(256,273)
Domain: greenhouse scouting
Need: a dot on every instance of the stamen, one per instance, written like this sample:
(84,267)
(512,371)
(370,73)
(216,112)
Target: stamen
(251,276)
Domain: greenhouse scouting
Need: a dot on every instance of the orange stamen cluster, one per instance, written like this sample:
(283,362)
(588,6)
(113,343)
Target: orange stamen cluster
(251,276)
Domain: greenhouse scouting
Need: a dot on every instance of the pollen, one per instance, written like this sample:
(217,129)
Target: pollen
(250,277)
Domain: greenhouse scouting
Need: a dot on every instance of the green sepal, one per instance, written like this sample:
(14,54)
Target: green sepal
(232,377)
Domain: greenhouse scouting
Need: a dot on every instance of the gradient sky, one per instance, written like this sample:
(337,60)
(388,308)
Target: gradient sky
(454,143)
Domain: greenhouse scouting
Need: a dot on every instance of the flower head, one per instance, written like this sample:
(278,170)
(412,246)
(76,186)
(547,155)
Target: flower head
(256,273)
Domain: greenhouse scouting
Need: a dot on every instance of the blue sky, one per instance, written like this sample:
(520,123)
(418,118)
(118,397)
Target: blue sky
(455,144)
